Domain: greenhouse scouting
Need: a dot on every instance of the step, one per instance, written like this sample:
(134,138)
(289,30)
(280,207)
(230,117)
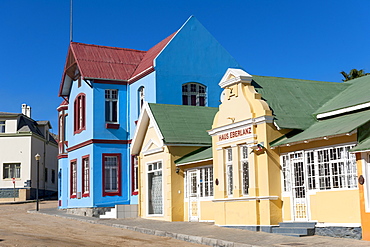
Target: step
(109,214)
(297,224)
(294,230)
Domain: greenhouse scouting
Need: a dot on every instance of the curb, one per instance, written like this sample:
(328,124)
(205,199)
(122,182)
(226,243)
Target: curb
(178,236)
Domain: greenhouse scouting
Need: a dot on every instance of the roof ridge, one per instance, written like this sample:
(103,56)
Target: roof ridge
(102,61)
(108,47)
(278,77)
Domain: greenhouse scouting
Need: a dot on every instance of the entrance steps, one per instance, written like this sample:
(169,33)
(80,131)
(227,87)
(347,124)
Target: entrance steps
(121,212)
(295,229)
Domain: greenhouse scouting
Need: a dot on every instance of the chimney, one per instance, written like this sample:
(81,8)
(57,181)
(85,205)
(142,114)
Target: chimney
(26,110)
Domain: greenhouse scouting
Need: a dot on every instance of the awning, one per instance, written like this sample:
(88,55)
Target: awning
(328,128)
(199,155)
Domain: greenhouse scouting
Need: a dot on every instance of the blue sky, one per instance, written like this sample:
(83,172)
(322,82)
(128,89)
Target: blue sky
(313,39)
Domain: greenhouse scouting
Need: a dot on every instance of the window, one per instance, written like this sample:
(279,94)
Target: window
(155,194)
(193,94)
(285,167)
(336,168)
(73,181)
(53,176)
(326,168)
(85,176)
(206,181)
(111,174)
(141,98)
(79,113)
(229,171)
(12,171)
(46,174)
(135,175)
(2,126)
(244,169)
(111,105)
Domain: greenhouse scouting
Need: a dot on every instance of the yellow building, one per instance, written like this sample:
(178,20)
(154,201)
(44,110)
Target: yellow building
(165,134)
(281,156)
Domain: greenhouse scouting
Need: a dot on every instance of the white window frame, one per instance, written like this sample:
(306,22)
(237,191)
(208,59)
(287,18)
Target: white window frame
(135,178)
(111,97)
(244,170)
(86,174)
(315,176)
(2,126)
(194,89)
(11,170)
(229,171)
(141,93)
(153,169)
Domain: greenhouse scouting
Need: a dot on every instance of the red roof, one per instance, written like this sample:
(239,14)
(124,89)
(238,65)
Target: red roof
(103,62)
(147,61)
(110,63)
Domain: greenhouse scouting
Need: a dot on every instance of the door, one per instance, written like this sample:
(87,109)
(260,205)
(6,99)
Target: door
(193,188)
(299,187)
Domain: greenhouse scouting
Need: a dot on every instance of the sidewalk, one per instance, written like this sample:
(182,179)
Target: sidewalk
(207,233)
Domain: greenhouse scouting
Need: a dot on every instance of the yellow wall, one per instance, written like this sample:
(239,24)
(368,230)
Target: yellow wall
(263,205)
(340,206)
(365,216)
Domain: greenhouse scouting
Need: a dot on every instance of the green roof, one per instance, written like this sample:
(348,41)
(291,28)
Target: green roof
(204,153)
(329,127)
(357,92)
(180,124)
(362,146)
(293,101)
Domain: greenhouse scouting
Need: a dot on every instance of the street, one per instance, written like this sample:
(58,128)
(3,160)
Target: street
(19,228)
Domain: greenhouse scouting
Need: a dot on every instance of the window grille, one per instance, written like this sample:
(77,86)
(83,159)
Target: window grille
(193,94)
(245,169)
(229,171)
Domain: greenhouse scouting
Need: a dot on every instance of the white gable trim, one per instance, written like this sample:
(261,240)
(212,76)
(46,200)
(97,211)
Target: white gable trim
(342,111)
(146,117)
(238,75)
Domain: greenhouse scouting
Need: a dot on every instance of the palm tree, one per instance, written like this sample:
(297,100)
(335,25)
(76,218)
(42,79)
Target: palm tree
(354,73)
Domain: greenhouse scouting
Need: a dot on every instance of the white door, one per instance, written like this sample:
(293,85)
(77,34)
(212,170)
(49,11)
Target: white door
(193,188)
(299,187)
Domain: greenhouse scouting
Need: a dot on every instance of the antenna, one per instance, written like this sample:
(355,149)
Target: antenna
(71,22)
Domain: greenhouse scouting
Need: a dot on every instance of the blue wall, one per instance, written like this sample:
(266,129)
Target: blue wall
(193,55)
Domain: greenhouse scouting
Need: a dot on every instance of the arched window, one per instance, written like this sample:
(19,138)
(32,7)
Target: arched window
(79,113)
(193,94)
(141,98)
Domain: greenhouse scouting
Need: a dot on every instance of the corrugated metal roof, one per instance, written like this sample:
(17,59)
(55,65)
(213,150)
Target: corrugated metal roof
(293,101)
(182,124)
(103,62)
(202,154)
(149,57)
(329,127)
(357,93)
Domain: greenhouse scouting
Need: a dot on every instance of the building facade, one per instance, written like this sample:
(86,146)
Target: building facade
(284,152)
(21,138)
(104,89)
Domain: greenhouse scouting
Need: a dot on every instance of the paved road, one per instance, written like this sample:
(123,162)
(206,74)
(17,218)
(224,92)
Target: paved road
(207,233)
(19,228)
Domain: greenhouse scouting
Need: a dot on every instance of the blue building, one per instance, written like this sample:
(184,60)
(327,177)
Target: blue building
(104,89)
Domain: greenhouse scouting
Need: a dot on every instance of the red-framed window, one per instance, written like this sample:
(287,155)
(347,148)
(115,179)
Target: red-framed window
(112,174)
(85,176)
(73,178)
(135,174)
(80,113)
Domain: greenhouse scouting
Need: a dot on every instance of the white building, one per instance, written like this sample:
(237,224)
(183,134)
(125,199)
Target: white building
(21,138)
